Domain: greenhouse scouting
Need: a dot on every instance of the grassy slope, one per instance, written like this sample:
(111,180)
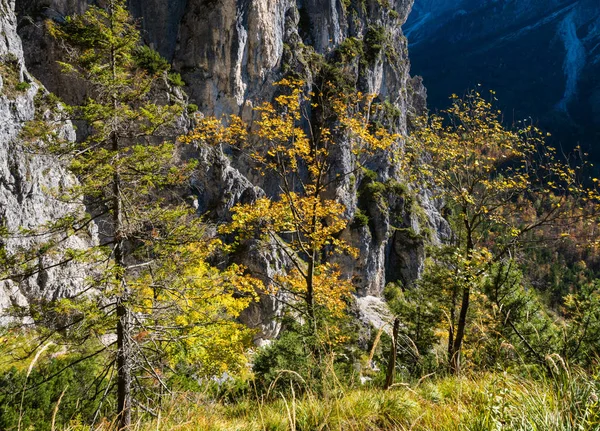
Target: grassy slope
(482,402)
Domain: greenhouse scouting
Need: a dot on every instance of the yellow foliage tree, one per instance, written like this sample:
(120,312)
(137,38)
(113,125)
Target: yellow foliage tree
(295,147)
(497,185)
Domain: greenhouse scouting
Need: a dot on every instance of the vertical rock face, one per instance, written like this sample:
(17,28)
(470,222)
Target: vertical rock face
(39,50)
(25,178)
(160,23)
(230,52)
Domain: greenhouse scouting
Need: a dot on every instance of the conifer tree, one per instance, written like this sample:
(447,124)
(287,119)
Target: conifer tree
(148,283)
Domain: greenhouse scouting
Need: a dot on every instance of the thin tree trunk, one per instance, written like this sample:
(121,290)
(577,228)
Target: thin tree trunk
(123,316)
(451,326)
(123,322)
(460,332)
(310,294)
(123,366)
(391,368)
(310,282)
(454,350)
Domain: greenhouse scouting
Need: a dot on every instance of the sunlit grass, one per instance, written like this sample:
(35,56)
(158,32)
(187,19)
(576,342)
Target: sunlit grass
(567,401)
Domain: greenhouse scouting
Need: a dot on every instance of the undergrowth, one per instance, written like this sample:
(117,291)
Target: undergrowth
(566,401)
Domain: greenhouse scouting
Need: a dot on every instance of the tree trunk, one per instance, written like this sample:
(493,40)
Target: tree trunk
(460,332)
(455,346)
(123,366)
(123,322)
(310,295)
(391,369)
(451,326)
(123,315)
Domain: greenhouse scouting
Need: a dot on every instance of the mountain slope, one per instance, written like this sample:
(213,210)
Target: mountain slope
(542,57)
(230,52)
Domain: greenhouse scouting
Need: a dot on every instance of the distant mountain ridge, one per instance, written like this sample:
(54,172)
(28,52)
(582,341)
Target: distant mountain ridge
(542,56)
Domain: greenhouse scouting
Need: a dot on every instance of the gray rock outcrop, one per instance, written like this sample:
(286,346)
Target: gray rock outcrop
(26,179)
(230,52)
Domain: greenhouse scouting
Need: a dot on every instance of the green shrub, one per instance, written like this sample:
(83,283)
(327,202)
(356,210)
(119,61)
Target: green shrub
(373,192)
(10,73)
(176,80)
(191,108)
(286,361)
(419,315)
(341,80)
(360,219)
(369,175)
(375,39)
(23,86)
(306,362)
(390,110)
(150,60)
(349,49)
(81,396)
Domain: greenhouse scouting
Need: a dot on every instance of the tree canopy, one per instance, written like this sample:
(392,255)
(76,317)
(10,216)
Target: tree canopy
(498,185)
(294,140)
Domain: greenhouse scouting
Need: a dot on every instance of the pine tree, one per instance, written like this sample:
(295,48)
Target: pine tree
(148,281)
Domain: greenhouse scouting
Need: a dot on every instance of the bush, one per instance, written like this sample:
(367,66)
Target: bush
(350,49)
(148,59)
(176,80)
(80,401)
(288,361)
(300,360)
(375,39)
(360,219)
(419,313)
(23,86)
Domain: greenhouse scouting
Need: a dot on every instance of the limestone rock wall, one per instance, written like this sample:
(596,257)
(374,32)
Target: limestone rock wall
(230,52)
(26,179)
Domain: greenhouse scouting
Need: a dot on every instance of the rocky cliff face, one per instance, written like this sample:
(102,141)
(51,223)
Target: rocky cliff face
(542,57)
(230,52)
(26,180)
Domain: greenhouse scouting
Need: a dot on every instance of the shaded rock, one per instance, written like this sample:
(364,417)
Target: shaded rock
(27,180)
(541,57)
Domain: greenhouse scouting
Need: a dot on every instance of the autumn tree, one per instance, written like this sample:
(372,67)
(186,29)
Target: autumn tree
(498,185)
(148,282)
(293,141)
